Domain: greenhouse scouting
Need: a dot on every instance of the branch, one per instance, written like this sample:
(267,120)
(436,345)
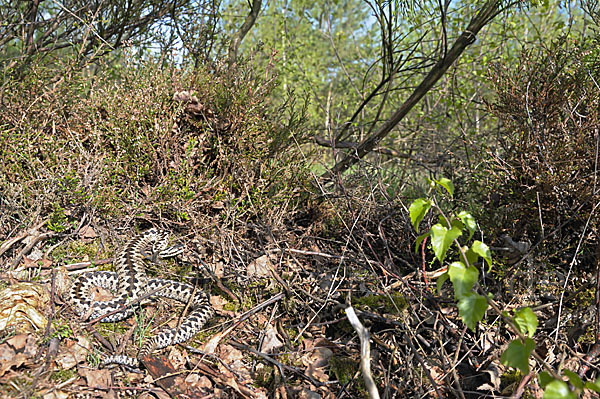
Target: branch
(482,17)
(236,40)
(365,352)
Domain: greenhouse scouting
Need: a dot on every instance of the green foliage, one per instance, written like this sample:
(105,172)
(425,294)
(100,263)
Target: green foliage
(558,390)
(472,306)
(58,220)
(526,321)
(418,209)
(442,237)
(463,274)
(517,354)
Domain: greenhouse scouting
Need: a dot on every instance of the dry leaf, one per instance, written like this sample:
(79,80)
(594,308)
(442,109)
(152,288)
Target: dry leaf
(22,304)
(260,267)
(56,395)
(87,234)
(74,352)
(271,340)
(97,379)
(177,358)
(200,382)
(217,302)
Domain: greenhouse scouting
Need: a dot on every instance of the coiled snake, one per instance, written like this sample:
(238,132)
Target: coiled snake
(130,283)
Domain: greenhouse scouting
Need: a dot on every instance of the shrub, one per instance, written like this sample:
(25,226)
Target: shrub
(543,175)
(146,140)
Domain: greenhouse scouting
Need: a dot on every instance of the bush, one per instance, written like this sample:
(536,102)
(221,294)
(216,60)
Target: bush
(146,141)
(543,175)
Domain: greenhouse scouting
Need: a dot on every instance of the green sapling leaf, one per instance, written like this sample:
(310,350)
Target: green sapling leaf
(594,386)
(558,389)
(574,379)
(517,354)
(471,308)
(417,210)
(441,239)
(526,321)
(545,378)
(447,184)
(440,281)
(472,257)
(463,278)
(484,251)
(420,239)
(469,221)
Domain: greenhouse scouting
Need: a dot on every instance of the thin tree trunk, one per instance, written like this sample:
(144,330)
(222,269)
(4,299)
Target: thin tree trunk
(482,17)
(236,40)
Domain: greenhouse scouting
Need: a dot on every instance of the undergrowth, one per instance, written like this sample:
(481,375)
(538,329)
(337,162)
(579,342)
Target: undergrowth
(146,142)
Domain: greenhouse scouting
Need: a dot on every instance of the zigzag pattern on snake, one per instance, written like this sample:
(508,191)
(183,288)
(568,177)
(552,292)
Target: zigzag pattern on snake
(129,283)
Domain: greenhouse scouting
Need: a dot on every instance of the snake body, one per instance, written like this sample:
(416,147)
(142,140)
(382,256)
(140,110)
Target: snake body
(130,283)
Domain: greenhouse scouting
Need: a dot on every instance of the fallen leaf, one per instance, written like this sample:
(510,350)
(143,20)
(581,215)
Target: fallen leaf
(73,353)
(177,358)
(201,382)
(56,395)
(260,267)
(271,341)
(97,379)
(217,302)
(87,233)
(21,305)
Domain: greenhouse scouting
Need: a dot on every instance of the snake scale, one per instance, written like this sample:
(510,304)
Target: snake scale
(129,283)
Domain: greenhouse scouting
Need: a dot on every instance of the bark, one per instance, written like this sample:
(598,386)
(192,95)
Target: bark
(236,40)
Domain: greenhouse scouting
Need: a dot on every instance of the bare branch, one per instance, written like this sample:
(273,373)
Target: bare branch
(482,17)
(236,40)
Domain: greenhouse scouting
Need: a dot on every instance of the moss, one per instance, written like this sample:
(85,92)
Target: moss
(511,376)
(63,375)
(79,250)
(343,369)
(394,303)
(265,377)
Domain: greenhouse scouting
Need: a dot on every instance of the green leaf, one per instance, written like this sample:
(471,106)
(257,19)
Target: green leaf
(526,321)
(469,221)
(517,354)
(442,220)
(471,308)
(458,224)
(463,278)
(545,379)
(420,239)
(417,210)
(558,390)
(441,239)
(447,184)
(484,251)
(472,257)
(574,379)
(594,386)
(440,281)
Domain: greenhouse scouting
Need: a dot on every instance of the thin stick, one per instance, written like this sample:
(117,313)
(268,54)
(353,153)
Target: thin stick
(365,352)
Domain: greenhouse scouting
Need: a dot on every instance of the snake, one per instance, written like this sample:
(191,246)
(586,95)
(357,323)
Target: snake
(129,283)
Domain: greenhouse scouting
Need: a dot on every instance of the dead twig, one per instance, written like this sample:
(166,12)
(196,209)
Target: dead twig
(34,240)
(365,352)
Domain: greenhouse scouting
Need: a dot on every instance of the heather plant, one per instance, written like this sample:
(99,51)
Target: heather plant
(145,140)
(542,175)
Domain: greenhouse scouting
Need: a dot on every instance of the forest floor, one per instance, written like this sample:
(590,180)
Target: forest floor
(279,328)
